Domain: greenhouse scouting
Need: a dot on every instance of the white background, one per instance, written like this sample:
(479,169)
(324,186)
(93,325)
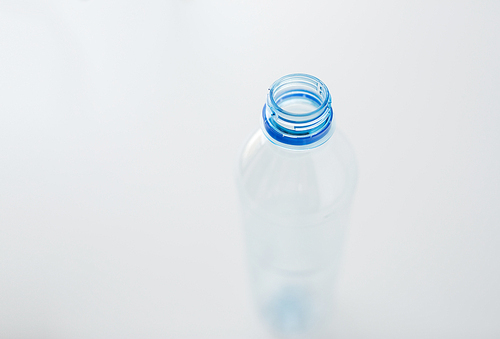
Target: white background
(120,124)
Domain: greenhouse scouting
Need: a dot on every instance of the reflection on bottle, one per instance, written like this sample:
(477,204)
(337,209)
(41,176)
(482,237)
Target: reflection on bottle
(296,178)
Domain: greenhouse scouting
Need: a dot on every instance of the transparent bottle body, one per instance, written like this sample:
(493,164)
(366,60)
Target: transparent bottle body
(295,207)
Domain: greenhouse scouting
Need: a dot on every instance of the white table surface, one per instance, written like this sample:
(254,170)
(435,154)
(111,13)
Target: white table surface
(120,123)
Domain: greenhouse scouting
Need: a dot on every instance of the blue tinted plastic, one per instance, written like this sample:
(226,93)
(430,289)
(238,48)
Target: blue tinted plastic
(295,199)
(298,113)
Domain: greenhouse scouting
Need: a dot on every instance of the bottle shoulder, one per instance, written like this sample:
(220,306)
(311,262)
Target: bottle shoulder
(258,148)
(296,181)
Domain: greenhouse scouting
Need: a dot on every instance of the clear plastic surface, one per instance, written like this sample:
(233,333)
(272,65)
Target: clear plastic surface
(295,207)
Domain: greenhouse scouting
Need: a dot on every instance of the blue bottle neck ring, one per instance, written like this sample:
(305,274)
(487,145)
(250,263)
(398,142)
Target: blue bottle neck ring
(298,113)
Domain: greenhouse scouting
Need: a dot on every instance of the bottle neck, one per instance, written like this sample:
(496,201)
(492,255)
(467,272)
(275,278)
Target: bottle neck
(298,113)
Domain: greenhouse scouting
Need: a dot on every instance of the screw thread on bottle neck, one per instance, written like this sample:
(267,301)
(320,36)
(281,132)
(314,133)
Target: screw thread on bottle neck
(298,113)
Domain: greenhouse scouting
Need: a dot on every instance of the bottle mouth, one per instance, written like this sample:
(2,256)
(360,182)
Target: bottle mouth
(298,113)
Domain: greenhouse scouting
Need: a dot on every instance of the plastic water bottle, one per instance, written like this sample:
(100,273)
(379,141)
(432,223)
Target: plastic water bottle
(296,178)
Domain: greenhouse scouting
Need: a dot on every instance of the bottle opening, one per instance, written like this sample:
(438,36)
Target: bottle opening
(298,106)
(298,112)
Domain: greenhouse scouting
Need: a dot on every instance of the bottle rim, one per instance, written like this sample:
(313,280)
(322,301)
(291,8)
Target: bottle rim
(298,130)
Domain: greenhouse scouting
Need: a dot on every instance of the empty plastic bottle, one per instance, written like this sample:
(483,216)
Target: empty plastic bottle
(296,178)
